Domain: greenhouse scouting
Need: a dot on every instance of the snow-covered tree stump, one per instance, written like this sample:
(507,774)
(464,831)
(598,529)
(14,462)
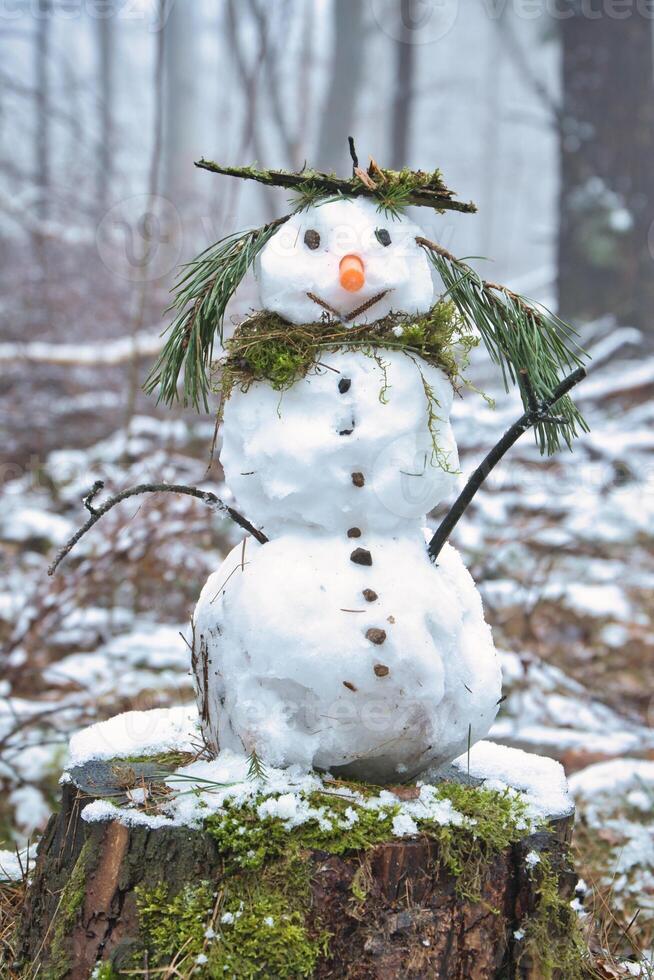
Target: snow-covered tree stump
(306,882)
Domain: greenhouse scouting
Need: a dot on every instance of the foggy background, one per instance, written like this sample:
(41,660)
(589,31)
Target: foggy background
(539,111)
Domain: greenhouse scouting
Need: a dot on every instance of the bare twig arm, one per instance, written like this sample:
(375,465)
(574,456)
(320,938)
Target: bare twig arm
(206,496)
(537,412)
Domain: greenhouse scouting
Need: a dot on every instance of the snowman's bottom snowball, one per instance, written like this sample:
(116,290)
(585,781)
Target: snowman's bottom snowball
(288,658)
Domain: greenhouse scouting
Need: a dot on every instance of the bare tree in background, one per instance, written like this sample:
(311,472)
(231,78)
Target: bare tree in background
(180,99)
(42,26)
(607,175)
(150,224)
(105,154)
(404,80)
(337,116)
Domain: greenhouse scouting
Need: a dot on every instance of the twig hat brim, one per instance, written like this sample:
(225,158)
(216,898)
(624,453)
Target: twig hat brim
(391,189)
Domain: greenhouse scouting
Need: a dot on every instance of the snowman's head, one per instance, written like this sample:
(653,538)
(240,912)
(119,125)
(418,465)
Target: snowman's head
(347,258)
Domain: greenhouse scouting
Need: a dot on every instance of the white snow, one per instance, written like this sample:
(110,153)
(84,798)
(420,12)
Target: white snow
(205,786)
(404,825)
(12,865)
(615,778)
(136,733)
(541,780)
(288,269)
(27,523)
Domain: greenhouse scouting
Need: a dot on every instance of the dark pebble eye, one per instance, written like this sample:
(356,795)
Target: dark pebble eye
(311,238)
(383,237)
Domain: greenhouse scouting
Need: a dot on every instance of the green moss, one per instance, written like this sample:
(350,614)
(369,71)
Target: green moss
(488,823)
(337,833)
(267,348)
(244,839)
(170,924)
(269,933)
(257,921)
(553,937)
(68,909)
(256,925)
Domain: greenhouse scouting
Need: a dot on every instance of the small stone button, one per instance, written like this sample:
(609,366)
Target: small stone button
(358,479)
(354,532)
(370,595)
(349,685)
(344,385)
(361,557)
(381,670)
(376,636)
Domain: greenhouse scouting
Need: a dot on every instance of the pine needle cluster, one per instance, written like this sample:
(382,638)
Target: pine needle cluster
(524,341)
(201,296)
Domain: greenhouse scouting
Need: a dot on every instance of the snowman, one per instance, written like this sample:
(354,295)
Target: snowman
(337,644)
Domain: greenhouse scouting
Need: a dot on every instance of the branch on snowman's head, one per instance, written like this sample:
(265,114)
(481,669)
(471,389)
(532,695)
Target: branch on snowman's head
(392,189)
(524,340)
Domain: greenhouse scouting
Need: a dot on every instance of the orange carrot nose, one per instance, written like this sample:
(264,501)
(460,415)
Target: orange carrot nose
(351,273)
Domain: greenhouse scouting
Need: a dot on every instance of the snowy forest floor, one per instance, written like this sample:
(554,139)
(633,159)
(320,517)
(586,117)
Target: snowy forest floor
(563,552)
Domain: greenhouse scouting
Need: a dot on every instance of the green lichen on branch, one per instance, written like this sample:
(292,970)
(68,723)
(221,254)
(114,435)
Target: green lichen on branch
(403,187)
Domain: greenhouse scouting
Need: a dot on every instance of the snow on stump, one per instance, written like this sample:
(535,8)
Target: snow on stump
(220,868)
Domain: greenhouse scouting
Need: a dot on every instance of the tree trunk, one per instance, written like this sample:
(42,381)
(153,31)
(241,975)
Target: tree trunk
(181,129)
(340,103)
(42,54)
(105,29)
(404,75)
(607,179)
(409,920)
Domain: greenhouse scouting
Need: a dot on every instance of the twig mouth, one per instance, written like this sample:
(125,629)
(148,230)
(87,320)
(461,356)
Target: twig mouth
(348,317)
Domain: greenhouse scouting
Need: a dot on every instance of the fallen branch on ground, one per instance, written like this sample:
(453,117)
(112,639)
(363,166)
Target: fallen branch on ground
(206,496)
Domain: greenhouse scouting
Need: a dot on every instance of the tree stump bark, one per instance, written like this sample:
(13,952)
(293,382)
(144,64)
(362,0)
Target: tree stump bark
(82,908)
